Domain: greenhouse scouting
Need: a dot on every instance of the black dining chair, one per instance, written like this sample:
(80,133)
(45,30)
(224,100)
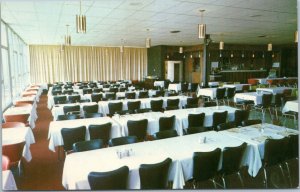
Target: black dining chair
(145,110)
(96,97)
(133,106)
(155,176)
(231,164)
(138,128)
(93,115)
(72,109)
(205,167)
(90,108)
(87,145)
(166,123)
(122,141)
(265,105)
(165,134)
(130,95)
(159,93)
(209,104)
(230,94)
(74,98)
(87,91)
(274,157)
(218,118)
(220,95)
(100,131)
(240,116)
(56,92)
(172,104)
(68,91)
(114,107)
(192,102)
(110,180)
(62,99)
(67,117)
(71,136)
(225,126)
(97,90)
(292,160)
(143,94)
(156,105)
(110,96)
(251,122)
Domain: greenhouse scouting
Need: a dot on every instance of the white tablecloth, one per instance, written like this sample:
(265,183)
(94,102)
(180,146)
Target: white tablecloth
(255,137)
(59,109)
(17,135)
(8,181)
(145,103)
(175,87)
(159,84)
(24,110)
(55,138)
(264,80)
(273,90)
(179,149)
(291,106)
(213,83)
(153,121)
(238,87)
(253,96)
(182,115)
(209,92)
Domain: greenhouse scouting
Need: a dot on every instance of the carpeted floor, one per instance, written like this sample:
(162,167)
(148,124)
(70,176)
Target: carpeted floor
(44,171)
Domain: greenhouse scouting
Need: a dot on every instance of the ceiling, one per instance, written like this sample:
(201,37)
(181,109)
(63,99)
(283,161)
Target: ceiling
(109,21)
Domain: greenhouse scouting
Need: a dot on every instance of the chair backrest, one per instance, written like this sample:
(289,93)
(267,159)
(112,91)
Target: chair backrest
(5,163)
(113,89)
(96,97)
(192,102)
(88,145)
(240,116)
(111,180)
(101,131)
(93,115)
(184,87)
(220,93)
(155,176)
(278,99)
(232,158)
(143,94)
(72,135)
(293,147)
(196,120)
(245,88)
(17,118)
(143,110)
(110,95)
(266,100)
(115,107)
(251,122)
(209,104)
(60,99)
(13,124)
(166,123)
(156,105)
(206,164)
(67,117)
(193,130)
(275,151)
(225,126)
(130,95)
(218,118)
(97,90)
(13,151)
(160,93)
(74,98)
(71,109)
(166,134)
(230,92)
(287,92)
(133,105)
(87,91)
(56,92)
(173,102)
(122,141)
(68,91)
(138,128)
(91,108)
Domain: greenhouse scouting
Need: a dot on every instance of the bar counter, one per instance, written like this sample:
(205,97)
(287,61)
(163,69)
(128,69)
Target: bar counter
(242,76)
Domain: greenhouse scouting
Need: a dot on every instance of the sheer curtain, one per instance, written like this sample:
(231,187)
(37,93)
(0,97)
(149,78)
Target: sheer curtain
(49,63)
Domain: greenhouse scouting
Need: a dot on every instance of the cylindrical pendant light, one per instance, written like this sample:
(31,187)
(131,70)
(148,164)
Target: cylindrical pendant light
(180,49)
(148,42)
(270,47)
(296,36)
(122,49)
(80,22)
(221,45)
(201,31)
(67,37)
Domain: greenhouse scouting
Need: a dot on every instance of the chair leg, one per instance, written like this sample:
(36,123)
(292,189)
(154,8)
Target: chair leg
(240,177)
(266,178)
(289,173)
(214,182)
(224,183)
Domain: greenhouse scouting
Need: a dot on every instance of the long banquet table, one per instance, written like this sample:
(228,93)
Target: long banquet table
(55,137)
(291,106)
(182,115)
(179,149)
(17,135)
